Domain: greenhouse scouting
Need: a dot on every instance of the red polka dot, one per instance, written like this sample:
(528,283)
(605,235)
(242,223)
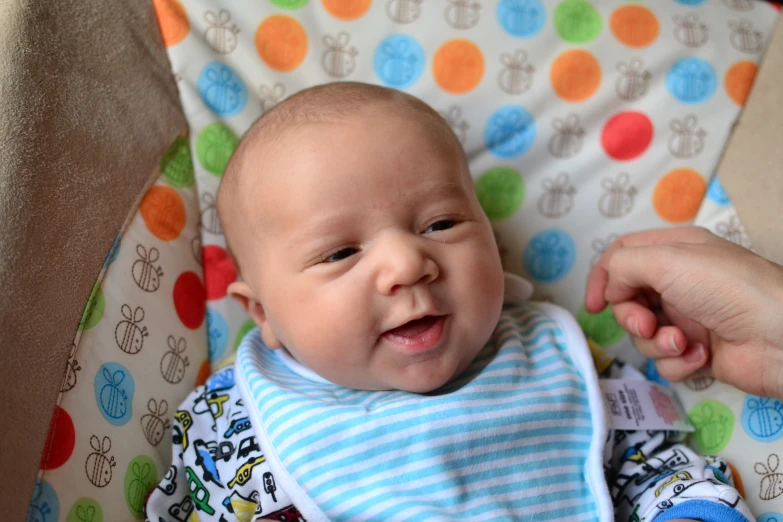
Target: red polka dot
(60,441)
(627,135)
(219,271)
(190,300)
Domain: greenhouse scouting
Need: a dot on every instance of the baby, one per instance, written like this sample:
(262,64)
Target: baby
(396,373)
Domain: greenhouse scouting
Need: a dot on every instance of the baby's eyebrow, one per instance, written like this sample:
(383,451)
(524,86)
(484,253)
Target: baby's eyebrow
(330,224)
(337,222)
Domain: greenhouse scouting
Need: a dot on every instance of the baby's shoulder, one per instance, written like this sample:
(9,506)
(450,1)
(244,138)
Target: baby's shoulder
(214,405)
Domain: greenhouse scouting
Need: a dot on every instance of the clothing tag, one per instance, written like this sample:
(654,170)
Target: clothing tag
(642,405)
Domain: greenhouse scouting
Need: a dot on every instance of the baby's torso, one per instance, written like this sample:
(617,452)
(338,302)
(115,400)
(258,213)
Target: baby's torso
(514,435)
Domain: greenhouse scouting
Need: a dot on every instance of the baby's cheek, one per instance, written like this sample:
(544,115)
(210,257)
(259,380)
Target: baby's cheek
(483,288)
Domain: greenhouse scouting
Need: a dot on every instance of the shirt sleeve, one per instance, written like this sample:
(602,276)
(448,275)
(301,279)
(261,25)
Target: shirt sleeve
(218,470)
(653,478)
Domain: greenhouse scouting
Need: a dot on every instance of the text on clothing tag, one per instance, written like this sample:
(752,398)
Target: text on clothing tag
(642,405)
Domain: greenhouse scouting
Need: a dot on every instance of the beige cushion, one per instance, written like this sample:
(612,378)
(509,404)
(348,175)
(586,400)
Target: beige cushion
(88,105)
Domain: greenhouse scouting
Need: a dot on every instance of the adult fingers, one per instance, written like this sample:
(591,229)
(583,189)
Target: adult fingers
(635,318)
(598,278)
(694,332)
(631,269)
(692,360)
(668,341)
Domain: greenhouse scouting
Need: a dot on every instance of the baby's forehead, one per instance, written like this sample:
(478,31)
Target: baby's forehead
(262,152)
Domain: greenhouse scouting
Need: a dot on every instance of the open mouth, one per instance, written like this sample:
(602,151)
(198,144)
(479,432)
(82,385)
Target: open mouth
(419,334)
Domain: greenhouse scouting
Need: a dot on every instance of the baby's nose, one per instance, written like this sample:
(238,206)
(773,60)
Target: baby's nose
(403,261)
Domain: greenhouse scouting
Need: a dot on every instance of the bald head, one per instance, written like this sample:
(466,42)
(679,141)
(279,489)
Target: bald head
(323,104)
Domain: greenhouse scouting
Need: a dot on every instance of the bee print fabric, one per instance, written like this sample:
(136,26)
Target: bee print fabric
(140,348)
(582,120)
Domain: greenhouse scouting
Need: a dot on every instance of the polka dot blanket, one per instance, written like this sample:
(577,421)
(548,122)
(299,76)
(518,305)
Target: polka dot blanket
(582,121)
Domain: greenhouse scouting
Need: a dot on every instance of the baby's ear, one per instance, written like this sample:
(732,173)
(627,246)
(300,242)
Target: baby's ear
(242,292)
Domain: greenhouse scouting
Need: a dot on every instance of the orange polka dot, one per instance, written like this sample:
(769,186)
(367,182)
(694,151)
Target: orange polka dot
(575,75)
(739,80)
(203,373)
(172,20)
(347,9)
(281,42)
(678,195)
(458,66)
(737,479)
(634,25)
(163,212)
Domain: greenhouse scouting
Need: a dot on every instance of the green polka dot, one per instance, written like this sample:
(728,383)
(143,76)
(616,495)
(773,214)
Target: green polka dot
(176,165)
(500,191)
(214,146)
(246,327)
(602,327)
(714,423)
(85,510)
(93,312)
(140,477)
(577,21)
(289,4)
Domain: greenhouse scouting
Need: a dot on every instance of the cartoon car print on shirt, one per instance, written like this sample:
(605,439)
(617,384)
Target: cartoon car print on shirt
(237,426)
(184,418)
(239,505)
(287,514)
(206,462)
(198,492)
(211,403)
(246,446)
(680,475)
(224,450)
(245,471)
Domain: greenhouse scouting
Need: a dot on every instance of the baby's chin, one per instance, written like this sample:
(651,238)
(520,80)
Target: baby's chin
(426,380)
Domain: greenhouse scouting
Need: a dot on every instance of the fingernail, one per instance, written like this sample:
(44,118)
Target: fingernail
(695,355)
(673,345)
(633,325)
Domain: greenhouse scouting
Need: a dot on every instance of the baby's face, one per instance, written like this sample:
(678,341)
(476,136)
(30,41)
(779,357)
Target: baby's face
(376,267)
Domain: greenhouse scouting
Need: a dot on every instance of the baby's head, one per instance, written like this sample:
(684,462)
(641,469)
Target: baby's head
(363,250)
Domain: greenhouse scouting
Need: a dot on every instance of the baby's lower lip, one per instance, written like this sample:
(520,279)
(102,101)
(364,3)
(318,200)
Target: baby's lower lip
(416,340)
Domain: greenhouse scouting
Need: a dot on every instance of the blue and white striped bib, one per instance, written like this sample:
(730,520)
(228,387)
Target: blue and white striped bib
(518,436)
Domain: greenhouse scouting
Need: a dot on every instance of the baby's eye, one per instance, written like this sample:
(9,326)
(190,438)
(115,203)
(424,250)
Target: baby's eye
(443,224)
(340,255)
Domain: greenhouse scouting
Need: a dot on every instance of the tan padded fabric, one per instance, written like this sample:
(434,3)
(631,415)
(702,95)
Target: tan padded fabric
(752,166)
(88,105)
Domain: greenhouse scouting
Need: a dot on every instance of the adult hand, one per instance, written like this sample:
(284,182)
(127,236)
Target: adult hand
(692,300)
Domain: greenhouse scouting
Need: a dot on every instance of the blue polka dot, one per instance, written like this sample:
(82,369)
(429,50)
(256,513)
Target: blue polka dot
(44,506)
(770,516)
(115,250)
(521,18)
(652,373)
(399,61)
(114,389)
(717,194)
(510,131)
(762,418)
(217,334)
(550,255)
(221,380)
(221,89)
(691,2)
(692,80)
